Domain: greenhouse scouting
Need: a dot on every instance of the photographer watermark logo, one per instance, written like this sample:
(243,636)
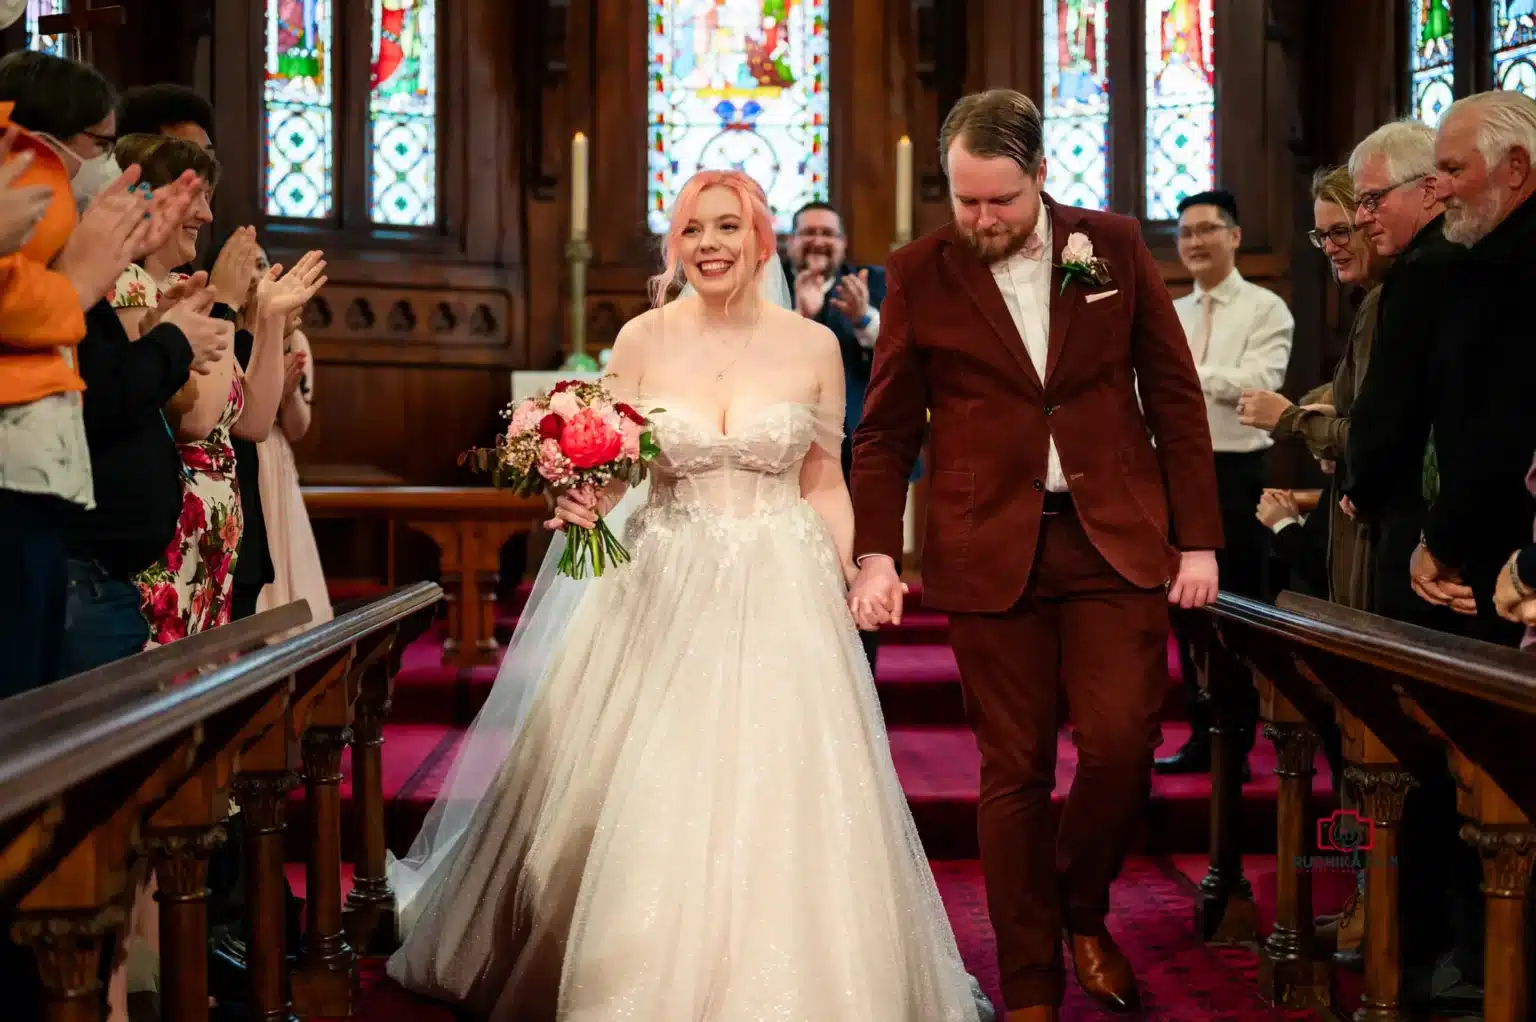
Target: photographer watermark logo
(1343,839)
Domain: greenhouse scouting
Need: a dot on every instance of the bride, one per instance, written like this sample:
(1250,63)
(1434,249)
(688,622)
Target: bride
(679,804)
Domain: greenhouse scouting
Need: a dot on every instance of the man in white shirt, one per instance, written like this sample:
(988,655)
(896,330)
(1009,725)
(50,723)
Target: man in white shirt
(1240,335)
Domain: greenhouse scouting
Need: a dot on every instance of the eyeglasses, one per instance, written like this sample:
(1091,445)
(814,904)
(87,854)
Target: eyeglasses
(1202,231)
(1371,201)
(1339,234)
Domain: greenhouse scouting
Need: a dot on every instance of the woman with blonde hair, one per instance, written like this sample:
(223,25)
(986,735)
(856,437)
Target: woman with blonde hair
(1324,425)
(639,822)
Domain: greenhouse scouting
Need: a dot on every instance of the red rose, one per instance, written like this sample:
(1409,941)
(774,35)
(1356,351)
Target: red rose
(629,413)
(562,386)
(551,426)
(588,441)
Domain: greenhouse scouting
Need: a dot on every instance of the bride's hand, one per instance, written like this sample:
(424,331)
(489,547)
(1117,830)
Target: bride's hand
(578,507)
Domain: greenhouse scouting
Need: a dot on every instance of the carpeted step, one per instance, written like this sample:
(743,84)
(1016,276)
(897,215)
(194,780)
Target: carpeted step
(939,770)
(940,773)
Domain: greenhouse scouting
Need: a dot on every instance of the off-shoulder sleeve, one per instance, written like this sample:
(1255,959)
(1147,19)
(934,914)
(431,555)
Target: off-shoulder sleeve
(135,289)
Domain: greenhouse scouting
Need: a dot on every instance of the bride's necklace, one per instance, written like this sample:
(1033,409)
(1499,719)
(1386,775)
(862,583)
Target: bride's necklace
(720,374)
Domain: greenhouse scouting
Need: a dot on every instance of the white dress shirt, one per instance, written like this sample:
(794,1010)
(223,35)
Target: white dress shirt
(1025,281)
(1248,348)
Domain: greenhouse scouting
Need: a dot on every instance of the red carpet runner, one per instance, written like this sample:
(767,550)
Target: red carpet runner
(937,760)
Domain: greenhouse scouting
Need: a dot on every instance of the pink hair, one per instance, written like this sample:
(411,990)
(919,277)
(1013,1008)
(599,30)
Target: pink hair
(754,204)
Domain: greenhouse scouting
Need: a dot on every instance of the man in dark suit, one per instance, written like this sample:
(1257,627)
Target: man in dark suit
(845,299)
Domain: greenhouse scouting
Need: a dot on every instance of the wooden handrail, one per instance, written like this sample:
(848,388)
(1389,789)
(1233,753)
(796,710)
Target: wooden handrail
(87,739)
(1495,674)
(147,671)
(417,502)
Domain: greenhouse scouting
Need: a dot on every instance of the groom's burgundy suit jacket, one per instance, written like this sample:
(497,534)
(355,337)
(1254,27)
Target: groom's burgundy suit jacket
(948,347)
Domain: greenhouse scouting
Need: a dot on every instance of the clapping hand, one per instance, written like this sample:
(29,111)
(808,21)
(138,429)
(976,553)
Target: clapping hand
(294,364)
(21,209)
(810,287)
(108,237)
(280,294)
(877,593)
(167,210)
(235,270)
(851,296)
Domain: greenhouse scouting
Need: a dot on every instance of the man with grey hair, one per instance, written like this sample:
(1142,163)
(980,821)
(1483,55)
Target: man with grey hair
(1058,532)
(1394,175)
(1484,421)
(1389,484)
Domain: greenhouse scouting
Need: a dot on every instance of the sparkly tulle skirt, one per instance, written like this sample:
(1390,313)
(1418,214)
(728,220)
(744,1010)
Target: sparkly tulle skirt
(699,820)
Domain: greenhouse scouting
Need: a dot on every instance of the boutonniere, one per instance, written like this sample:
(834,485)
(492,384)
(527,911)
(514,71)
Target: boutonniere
(1079,263)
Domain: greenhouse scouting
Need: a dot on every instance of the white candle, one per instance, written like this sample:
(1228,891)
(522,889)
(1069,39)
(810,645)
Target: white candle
(904,189)
(579,186)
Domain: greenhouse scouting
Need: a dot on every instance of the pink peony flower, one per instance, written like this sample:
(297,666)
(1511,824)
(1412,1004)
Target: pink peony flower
(589,441)
(565,404)
(631,436)
(525,418)
(553,465)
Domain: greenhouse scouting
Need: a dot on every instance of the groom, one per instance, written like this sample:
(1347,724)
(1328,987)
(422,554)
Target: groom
(1065,516)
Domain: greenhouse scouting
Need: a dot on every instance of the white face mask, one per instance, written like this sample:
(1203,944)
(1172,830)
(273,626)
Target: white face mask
(94,175)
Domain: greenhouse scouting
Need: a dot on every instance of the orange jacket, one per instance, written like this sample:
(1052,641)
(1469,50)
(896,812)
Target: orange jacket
(39,308)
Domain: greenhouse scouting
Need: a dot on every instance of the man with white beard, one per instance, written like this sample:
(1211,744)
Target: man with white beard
(1484,422)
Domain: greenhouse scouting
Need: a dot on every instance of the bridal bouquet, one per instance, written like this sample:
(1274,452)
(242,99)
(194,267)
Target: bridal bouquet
(578,438)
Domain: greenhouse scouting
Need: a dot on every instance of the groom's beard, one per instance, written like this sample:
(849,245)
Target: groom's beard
(995,244)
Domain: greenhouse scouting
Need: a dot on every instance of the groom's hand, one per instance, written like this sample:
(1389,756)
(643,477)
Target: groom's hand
(877,592)
(1198,581)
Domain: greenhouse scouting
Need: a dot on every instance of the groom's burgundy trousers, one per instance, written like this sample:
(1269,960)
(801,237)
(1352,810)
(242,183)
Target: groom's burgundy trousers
(1083,644)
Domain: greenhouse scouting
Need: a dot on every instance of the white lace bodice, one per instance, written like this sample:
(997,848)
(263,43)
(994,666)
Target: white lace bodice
(751,469)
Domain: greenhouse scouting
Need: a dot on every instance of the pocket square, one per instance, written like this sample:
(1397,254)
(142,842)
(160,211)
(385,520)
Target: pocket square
(1101,296)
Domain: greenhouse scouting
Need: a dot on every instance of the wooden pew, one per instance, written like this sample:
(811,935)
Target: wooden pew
(470,525)
(1406,700)
(97,786)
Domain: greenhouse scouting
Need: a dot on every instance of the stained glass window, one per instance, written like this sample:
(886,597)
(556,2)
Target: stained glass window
(301,121)
(403,112)
(1514,45)
(58,45)
(1181,103)
(1432,67)
(738,84)
(1077,102)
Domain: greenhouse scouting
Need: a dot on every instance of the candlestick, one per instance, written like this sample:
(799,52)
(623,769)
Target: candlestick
(903,190)
(578,186)
(578,252)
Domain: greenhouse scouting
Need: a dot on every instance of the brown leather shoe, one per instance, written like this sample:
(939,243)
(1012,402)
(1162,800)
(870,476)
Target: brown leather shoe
(1104,974)
(1034,1013)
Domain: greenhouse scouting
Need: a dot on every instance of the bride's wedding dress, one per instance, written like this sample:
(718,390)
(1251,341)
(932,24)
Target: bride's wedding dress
(698,819)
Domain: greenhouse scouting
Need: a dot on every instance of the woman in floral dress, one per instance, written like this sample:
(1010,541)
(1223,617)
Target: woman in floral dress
(189,589)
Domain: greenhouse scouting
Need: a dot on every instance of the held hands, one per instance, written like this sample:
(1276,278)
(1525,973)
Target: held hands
(1512,599)
(1435,583)
(1275,506)
(1261,408)
(1197,582)
(876,595)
